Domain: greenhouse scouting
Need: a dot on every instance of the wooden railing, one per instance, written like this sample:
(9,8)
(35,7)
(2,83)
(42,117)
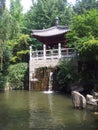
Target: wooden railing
(52,53)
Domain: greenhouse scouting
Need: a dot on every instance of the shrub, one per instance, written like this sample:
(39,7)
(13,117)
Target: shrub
(2,81)
(88,63)
(66,74)
(16,75)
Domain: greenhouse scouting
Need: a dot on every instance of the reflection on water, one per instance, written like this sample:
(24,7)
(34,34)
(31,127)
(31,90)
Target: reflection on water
(24,110)
(50,101)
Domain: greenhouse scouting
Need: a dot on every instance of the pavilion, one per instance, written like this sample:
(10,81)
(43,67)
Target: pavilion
(54,49)
(51,36)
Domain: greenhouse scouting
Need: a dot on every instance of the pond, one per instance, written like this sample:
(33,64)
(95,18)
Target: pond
(29,110)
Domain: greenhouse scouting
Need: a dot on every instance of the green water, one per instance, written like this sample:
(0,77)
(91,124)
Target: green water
(24,110)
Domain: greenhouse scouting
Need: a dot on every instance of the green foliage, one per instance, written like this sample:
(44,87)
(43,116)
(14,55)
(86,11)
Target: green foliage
(21,49)
(9,27)
(16,10)
(2,81)
(88,50)
(67,73)
(82,6)
(36,44)
(43,14)
(84,26)
(16,75)
(2,6)
(22,56)
(22,43)
(83,37)
(5,55)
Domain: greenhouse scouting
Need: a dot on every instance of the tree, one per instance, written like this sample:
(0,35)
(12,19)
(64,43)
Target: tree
(8,30)
(88,63)
(66,74)
(2,6)
(16,10)
(83,37)
(17,74)
(84,26)
(4,25)
(21,49)
(82,6)
(17,15)
(43,14)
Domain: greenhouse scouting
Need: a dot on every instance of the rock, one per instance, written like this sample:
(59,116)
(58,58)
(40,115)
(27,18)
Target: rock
(95,95)
(91,100)
(96,115)
(78,100)
(76,88)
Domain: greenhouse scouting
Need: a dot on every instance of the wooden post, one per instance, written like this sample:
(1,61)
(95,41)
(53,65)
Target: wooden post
(44,51)
(59,50)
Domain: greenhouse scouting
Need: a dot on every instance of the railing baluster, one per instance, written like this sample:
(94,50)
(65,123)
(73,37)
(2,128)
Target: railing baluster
(30,52)
(52,54)
(59,50)
(44,51)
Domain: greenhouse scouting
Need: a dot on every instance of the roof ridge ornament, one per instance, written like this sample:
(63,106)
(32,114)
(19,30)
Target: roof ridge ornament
(56,21)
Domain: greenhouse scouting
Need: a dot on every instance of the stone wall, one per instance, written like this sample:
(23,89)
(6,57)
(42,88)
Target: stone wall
(42,74)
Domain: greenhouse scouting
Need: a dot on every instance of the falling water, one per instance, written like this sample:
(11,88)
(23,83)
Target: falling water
(50,81)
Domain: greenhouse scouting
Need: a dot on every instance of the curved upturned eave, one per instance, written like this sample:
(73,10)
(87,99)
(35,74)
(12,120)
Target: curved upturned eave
(52,39)
(53,31)
(41,36)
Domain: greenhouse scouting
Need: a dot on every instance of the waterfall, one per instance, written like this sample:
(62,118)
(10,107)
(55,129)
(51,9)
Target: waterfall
(50,81)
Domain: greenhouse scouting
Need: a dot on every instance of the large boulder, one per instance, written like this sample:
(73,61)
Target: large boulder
(91,100)
(78,100)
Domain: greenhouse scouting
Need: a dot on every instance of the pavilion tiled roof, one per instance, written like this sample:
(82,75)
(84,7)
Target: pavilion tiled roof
(51,36)
(53,31)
